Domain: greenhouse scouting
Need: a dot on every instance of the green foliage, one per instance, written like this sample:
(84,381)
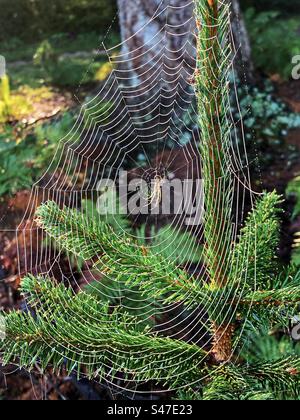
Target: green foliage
(44,54)
(15,49)
(169,243)
(212,92)
(67,73)
(287,8)
(229,384)
(267,121)
(188,395)
(274,41)
(85,334)
(171,284)
(64,71)
(119,294)
(23,159)
(99,112)
(26,75)
(293,190)
(258,244)
(56,337)
(49,140)
(172,244)
(267,347)
(18,105)
(33,20)
(15,172)
(13,176)
(119,222)
(272,309)
(51,61)
(73,72)
(259,381)
(280,376)
(117,255)
(125,261)
(115,291)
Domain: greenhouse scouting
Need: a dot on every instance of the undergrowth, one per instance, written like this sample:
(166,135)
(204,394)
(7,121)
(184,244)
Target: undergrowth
(275,40)
(24,155)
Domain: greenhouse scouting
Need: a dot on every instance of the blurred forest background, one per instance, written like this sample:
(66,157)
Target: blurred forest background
(56,61)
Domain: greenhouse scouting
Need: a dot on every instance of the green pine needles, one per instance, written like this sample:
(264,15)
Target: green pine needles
(242,295)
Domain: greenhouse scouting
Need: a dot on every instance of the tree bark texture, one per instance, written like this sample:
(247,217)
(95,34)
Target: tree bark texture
(161,34)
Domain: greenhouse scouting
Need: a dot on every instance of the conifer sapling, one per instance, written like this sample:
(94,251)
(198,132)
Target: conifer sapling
(80,332)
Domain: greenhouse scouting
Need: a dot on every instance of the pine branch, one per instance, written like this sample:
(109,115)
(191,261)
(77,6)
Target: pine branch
(265,309)
(188,395)
(117,256)
(281,376)
(285,293)
(212,89)
(254,257)
(78,333)
(261,381)
(119,294)
(172,244)
(288,296)
(226,384)
(262,346)
(118,221)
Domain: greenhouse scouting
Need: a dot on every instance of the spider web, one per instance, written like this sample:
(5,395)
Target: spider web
(144,119)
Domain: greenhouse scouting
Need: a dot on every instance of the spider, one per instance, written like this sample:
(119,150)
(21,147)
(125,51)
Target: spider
(156,193)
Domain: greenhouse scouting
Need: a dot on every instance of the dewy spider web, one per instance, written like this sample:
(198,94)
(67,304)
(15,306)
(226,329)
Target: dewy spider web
(142,119)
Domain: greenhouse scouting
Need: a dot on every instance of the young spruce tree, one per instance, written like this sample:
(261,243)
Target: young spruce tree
(244,292)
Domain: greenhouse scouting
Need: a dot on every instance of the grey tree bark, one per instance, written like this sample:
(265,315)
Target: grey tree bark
(157,34)
(150,26)
(243,62)
(156,63)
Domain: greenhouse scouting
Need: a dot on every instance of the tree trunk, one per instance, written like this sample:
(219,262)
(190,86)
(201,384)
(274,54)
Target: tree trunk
(243,61)
(156,65)
(158,40)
